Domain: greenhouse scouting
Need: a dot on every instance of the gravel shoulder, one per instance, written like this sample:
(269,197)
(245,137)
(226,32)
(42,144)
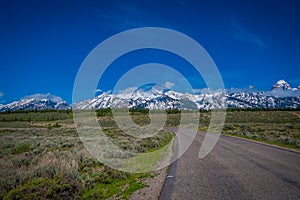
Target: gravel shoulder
(156,181)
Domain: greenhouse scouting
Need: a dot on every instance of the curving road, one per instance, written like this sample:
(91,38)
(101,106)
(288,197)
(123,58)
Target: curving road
(234,169)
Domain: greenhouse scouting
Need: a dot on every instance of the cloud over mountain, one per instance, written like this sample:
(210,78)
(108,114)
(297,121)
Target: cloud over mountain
(169,84)
(156,96)
(47,96)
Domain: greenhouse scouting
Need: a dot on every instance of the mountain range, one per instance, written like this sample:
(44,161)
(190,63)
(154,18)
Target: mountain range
(155,96)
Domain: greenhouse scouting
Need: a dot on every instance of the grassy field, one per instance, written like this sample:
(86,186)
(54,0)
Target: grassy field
(275,127)
(43,158)
(41,155)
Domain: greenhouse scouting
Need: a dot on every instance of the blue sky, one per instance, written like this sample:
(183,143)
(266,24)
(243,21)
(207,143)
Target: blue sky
(43,43)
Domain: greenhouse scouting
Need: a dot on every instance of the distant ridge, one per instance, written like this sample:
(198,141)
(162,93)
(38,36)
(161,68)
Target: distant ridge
(281,84)
(37,102)
(155,96)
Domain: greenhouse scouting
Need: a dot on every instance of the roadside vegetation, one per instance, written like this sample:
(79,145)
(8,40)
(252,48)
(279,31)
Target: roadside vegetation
(275,127)
(42,157)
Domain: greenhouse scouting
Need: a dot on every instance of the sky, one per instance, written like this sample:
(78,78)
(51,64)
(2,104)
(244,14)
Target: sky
(44,43)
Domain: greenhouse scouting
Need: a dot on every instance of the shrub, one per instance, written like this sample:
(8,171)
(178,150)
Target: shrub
(45,188)
(21,148)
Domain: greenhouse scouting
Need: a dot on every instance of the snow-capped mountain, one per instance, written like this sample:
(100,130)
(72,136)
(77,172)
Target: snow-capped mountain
(281,84)
(155,96)
(37,102)
(261,100)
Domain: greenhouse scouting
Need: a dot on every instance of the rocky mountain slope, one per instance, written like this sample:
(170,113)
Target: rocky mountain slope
(37,102)
(155,96)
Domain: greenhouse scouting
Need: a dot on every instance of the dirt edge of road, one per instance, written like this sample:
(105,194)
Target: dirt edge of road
(156,181)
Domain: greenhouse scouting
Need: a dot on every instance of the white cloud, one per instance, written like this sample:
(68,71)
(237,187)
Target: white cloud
(44,96)
(283,93)
(275,92)
(240,33)
(129,90)
(126,93)
(97,90)
(207,91)
(201,91)
(237,90)
(169,84)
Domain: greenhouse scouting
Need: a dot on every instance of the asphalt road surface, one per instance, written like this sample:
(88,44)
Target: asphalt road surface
(234,169)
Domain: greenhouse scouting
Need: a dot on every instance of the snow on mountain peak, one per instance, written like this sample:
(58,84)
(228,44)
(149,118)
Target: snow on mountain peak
(281,81)
(37,102)
(158,96)
(150,90)
(281,84)
(44,97)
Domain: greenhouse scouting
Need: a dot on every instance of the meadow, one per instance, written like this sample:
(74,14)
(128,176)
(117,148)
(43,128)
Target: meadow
(42,157)
(275,127)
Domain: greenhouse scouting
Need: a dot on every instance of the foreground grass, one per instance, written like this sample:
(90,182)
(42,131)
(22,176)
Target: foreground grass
(41,159)
(280,128)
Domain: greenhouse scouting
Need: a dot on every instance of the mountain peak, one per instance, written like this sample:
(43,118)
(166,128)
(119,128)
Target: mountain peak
(37,102)
(157,96)
(281,84)
(150,90)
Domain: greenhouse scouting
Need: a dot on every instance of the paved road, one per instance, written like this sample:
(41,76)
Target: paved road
(234,169)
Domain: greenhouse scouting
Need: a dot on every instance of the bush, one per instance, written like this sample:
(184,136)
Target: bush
(45,188)
(21,149)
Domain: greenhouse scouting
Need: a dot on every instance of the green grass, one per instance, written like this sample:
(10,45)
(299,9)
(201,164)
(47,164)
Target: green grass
(117,188)
(46,159)
(280,128)
(45,188)
(277,143)
(21,148)
(34,116)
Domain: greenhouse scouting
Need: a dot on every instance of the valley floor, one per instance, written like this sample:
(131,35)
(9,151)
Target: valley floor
(41,154)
